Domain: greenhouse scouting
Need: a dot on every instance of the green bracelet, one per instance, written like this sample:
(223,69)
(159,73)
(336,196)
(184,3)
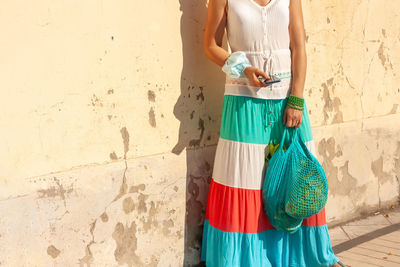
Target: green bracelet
(295,100)
(294,106)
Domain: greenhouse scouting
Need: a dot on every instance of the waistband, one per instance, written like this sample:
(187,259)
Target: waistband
(268,52)
(267,56)
(241,86)
(273,91)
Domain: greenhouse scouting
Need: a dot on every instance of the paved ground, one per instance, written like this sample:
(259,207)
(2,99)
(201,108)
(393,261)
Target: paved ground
(373,241)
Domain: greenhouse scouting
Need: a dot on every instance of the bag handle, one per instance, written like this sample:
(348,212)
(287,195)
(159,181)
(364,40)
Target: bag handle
(283,136)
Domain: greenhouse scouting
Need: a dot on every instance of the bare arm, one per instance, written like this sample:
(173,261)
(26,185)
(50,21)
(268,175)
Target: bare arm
(293,117)
(297,47)
(214,32)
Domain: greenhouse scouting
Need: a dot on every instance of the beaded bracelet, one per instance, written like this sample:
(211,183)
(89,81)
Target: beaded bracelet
(294,106)
(235,64)
(295,100)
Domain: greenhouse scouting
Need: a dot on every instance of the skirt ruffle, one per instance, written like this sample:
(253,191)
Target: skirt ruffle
(309,246)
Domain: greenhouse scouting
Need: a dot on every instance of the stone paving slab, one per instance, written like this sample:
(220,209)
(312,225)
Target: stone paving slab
(364,226)
(394,217)
(373,241)
(337,236)
(377,252)
(378,247)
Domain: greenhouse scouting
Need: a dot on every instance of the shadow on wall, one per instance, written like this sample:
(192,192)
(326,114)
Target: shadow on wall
(198,109)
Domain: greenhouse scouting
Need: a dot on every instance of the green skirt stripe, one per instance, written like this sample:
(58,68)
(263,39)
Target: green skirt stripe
(258,121)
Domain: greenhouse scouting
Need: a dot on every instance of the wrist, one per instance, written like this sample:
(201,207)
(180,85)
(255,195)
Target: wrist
(295,101)
(294,106)
(235,65)
(242,73)
(296,93)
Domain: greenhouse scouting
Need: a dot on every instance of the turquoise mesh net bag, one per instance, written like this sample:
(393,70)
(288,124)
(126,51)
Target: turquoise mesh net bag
(307,191)
(274,191)
(295,186)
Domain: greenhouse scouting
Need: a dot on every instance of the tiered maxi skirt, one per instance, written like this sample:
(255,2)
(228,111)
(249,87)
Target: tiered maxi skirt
(236,231)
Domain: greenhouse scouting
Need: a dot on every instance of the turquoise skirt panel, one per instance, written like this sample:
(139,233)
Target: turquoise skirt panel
(269,248)
(258,121)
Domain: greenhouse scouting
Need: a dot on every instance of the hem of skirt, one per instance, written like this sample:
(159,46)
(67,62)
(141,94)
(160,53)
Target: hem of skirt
(329,264)
(258,92)
(203,254)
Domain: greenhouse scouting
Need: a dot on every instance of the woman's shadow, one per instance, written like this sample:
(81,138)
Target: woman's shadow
(198,109)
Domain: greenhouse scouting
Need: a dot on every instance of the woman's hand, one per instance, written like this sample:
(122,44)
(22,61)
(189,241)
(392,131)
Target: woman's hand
(292,117)
(252,73)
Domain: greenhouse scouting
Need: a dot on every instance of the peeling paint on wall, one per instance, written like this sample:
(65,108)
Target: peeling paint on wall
(53,251)
(125,237)
(152,118)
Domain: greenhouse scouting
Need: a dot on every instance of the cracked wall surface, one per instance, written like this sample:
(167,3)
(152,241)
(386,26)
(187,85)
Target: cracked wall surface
(111,114)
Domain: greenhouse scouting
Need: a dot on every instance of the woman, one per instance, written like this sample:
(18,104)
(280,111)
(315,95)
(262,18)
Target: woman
(266,38)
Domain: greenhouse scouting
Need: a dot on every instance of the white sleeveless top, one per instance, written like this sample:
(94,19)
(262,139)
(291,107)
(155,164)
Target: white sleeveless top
(262,33)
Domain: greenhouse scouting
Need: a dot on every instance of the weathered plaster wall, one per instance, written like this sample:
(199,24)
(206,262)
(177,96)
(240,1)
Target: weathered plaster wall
(110,117)
(353,84)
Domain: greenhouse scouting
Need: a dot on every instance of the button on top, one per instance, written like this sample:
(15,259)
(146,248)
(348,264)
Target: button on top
(270,123)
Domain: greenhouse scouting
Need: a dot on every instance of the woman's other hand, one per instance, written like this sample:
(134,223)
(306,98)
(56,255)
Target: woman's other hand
(252,73)
(292,117)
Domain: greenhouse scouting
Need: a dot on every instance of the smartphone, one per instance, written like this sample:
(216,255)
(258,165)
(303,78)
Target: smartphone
(274,79)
